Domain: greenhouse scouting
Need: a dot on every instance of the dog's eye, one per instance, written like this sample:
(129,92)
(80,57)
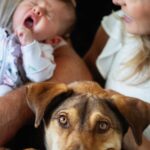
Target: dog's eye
(63,121)
(102,126)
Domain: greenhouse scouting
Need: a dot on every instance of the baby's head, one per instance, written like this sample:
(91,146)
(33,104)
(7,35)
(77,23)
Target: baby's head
(45,18)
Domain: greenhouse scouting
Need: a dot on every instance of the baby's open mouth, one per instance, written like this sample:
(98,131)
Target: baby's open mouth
(29,22)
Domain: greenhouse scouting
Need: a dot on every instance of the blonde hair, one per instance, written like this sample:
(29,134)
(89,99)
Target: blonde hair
(141,61)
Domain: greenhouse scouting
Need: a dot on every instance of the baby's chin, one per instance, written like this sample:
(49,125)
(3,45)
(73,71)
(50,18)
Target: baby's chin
(40,37)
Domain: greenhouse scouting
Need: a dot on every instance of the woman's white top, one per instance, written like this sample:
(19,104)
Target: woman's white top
(121,47)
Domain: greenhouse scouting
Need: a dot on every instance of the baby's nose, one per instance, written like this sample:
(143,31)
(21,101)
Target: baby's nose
(38,10)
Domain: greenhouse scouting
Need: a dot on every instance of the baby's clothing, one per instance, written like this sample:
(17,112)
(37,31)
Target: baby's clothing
(120,48)
(18,63)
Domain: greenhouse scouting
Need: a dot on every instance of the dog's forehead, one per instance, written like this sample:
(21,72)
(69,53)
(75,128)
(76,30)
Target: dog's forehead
(86,110)
(80,100)
(86,104)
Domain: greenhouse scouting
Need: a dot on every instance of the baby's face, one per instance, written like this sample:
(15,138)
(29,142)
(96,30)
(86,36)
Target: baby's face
(42,17)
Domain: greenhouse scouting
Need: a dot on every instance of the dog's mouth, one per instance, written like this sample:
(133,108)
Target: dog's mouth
(29,22)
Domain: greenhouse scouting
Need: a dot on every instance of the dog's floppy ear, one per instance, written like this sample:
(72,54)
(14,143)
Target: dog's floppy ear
(135,111)
(39,95)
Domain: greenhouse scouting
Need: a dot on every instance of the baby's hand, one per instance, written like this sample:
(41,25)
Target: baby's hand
(25,35)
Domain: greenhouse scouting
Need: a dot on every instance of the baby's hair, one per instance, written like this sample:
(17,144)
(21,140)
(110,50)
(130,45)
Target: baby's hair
(70,2)
(70,22)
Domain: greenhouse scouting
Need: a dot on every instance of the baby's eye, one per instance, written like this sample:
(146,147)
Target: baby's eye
(50,15)
(32,2)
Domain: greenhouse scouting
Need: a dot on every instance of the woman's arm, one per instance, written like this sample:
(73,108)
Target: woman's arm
(14,112)
(91,56)
(69,66)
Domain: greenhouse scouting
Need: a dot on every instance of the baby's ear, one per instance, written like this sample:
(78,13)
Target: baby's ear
(54,41)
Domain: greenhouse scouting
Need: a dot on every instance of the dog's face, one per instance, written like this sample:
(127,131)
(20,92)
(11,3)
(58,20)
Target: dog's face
(83,122)
(83,116)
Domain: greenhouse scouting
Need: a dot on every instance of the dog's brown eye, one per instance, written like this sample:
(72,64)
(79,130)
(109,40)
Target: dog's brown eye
(63,121)
(102,126)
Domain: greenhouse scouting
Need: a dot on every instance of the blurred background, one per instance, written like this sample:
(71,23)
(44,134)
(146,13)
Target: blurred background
(89,15)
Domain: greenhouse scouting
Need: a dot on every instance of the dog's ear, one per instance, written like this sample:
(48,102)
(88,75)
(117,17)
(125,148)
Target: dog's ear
(135,111)
(39,95)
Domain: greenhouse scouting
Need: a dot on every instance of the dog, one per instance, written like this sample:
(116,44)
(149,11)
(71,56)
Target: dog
(84,116)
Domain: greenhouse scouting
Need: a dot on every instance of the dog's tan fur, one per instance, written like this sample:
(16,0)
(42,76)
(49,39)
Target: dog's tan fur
(83,116)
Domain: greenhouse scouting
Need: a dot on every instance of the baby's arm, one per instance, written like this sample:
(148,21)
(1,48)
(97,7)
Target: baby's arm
(38,60)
